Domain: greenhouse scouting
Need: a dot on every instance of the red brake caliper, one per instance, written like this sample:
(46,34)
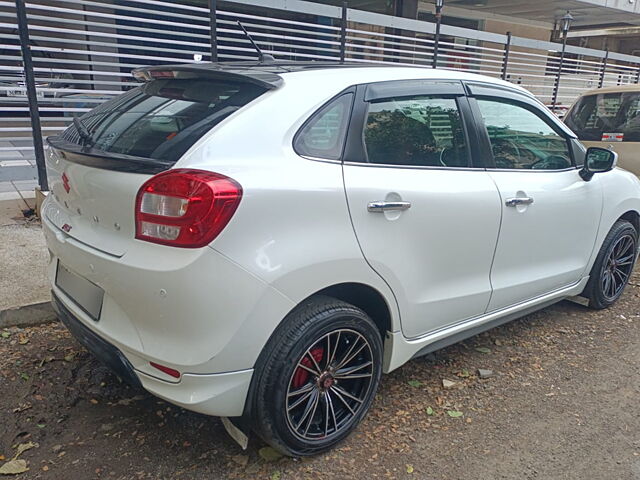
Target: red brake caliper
(301,375)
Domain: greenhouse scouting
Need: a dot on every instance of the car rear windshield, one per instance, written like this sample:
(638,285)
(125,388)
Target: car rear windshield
(607,117)
(159,120)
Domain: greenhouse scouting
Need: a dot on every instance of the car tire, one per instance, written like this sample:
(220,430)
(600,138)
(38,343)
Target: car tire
(613,266)
(304,401)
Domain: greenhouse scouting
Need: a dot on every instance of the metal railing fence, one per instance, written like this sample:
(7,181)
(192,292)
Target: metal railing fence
(82,53)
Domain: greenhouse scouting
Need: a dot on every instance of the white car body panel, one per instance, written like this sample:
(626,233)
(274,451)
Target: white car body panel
(223,393)
(414,250)
(539,251)
(620,195)
(208,312)
(94,193)
(166,293)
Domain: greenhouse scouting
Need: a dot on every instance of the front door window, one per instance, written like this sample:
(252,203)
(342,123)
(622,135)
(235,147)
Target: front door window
(520,139)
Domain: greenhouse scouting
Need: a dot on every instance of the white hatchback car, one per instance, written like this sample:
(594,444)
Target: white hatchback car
(262,241)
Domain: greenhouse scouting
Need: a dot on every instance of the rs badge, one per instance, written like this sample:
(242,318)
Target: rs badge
(65,183)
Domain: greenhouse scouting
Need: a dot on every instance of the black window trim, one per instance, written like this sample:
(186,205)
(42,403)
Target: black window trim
(579,152)
(355,151)
(116,162)
(514,97)
(314,115)
(384,90)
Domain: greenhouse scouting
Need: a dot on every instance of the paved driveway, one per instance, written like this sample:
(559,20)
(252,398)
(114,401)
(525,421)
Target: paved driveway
(17,169)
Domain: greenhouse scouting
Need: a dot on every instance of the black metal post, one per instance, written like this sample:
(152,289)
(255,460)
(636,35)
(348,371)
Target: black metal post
(30,81)
(603,68)
(436,43)
(566,25)
(343,32)
(213,30)
(505,57)
(556,86)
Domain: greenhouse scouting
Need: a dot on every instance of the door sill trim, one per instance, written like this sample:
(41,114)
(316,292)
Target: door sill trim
(473,321)
(399,349)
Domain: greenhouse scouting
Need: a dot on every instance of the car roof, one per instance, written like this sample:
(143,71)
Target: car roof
(271,73)
(375,70)
(614,89)
(284,66)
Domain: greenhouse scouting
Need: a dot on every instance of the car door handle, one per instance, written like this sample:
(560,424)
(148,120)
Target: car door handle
(513,202)
(388,206)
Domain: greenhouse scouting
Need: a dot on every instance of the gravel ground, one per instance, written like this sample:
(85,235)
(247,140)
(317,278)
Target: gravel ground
(561,403)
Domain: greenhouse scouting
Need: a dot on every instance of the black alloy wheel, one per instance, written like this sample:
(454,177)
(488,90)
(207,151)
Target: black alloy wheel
(618,266)
(316,377)
(329,385)
(613,266)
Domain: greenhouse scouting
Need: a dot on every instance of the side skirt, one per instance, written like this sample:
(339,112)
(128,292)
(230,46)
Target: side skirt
(398,349)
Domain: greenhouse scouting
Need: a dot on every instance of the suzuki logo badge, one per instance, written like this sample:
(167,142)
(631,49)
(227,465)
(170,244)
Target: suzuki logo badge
(65,183)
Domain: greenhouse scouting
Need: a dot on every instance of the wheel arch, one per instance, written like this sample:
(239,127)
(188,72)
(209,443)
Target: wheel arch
(382,310)
(633,217)
(366,298)
(623,204)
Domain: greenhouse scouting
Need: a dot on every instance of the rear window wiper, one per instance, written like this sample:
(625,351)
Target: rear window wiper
(82,130)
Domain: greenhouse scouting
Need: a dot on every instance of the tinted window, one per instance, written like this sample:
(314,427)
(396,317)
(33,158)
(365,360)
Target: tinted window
(323,136)
(521,139)
(422,131)
(607,117)
(161,119)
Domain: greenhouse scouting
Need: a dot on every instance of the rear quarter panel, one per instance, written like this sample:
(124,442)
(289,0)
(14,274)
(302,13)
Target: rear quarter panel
(292,228)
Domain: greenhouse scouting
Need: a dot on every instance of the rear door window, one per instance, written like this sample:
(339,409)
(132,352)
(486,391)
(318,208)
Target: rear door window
(162,119)
(607,117)
(420,131)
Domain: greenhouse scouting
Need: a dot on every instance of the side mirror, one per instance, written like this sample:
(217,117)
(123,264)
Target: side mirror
(598,160)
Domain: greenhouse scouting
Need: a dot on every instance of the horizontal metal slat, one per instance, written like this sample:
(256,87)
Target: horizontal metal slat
(89,13)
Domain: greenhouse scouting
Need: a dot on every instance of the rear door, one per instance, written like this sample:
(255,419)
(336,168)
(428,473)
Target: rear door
(425,216)
(550,216)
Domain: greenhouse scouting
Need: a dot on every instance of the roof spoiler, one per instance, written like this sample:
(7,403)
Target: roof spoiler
(254,76)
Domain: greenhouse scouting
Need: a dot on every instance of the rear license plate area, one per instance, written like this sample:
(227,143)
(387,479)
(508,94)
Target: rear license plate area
(88,296)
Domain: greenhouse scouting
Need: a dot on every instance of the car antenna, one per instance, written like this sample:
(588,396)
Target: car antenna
(82,130)
(264,57)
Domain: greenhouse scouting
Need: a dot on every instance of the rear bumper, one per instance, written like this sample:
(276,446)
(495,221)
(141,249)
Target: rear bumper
(193,310)
(222,395)
(101,349)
